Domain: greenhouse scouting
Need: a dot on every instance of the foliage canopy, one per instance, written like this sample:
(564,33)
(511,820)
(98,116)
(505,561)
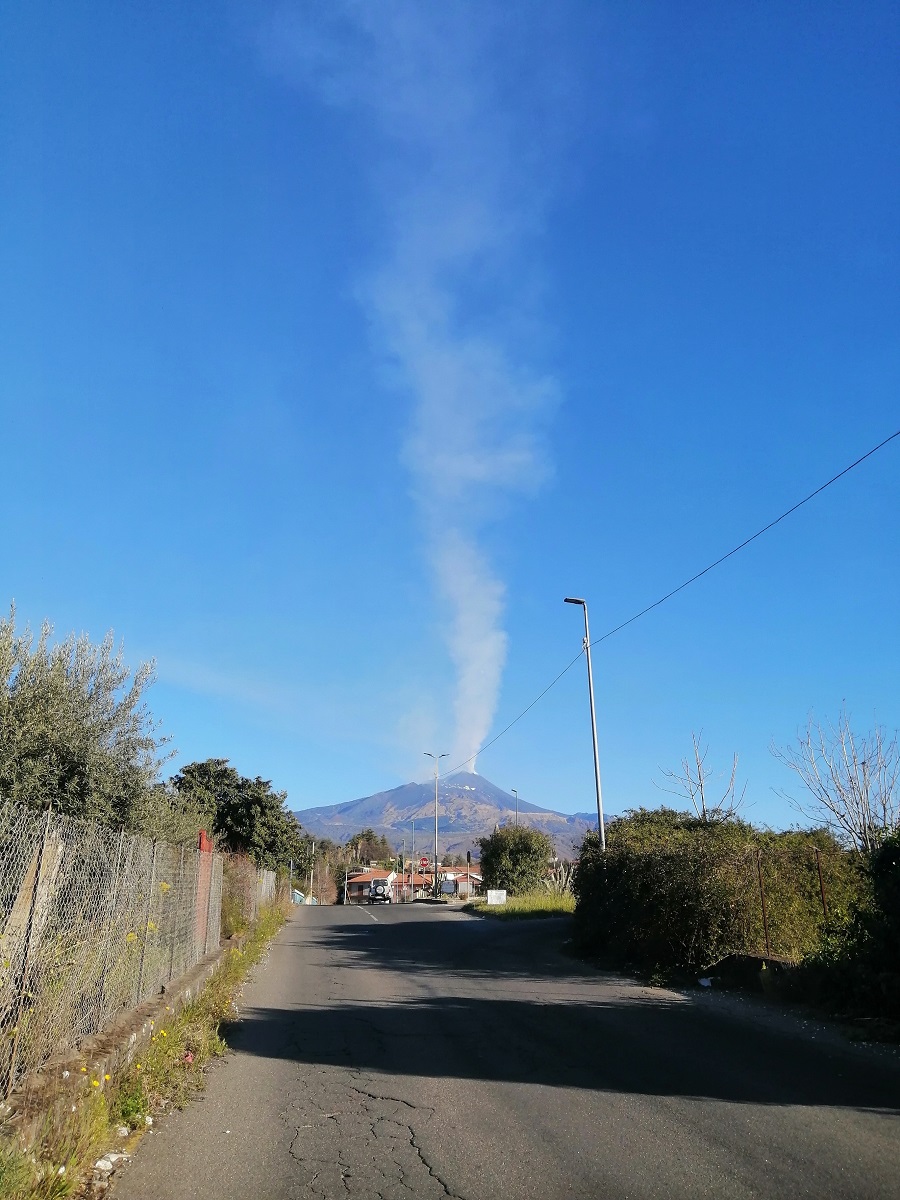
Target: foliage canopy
(74,728)
(677,891)
(369,846)
(516,858)
(857,967)
(245,816)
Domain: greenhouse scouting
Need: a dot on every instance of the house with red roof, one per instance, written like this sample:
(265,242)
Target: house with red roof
(412,886)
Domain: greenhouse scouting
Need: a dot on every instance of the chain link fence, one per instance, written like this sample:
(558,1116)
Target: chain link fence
(246,889)
(92,922)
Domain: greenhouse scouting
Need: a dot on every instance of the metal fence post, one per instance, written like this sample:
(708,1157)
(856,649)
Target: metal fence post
(140,990)
(26,960)
(821,884)
(762,896)
(212,863)
(178,905)
(108,937)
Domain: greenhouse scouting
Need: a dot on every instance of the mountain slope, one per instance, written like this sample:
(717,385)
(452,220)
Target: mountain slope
(469,806)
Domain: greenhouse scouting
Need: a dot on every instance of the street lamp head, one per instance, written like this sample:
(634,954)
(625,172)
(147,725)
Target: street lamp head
(573,600)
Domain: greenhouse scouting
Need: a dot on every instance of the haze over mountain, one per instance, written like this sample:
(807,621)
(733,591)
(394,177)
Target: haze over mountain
(469,806)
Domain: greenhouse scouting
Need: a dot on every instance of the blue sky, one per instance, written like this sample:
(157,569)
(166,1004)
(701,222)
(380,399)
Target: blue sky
(341,341)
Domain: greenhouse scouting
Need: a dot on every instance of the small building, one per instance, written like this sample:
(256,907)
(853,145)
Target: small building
(467,885)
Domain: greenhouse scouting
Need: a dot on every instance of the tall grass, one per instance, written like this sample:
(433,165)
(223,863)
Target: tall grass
(534,904)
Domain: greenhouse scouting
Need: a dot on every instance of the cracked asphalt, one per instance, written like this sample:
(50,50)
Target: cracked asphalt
(415,1052)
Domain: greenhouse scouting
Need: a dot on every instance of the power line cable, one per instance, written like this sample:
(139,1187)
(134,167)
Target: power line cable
(745,543)
(674,592)
(519,717)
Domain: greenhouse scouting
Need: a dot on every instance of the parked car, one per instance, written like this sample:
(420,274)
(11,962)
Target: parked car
(379,892)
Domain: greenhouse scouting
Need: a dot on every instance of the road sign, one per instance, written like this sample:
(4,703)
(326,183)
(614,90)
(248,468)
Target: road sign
(423,863)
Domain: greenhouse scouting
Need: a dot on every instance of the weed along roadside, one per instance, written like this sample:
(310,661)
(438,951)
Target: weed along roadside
(67,1134)
(530,905)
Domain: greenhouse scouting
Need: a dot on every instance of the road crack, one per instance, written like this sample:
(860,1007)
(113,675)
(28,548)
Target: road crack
(427,1165)
(350,1138)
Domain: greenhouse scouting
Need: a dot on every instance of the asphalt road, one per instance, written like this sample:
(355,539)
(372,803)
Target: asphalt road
(416,1052)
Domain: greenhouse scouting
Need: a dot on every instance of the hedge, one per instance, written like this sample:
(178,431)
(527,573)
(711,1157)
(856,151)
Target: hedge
(673,891)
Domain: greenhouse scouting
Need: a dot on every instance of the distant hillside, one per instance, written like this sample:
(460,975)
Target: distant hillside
(469,806)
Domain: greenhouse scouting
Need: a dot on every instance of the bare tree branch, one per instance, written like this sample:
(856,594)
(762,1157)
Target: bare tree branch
(694,781)
(851,780)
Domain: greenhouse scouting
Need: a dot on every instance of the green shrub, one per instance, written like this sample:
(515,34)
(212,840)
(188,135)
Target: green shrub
(131,1105)
(674,891)
(856,968)
(238,893)
(515,858)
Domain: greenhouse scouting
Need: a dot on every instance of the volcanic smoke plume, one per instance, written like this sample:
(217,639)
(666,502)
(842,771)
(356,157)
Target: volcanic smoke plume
(468,118)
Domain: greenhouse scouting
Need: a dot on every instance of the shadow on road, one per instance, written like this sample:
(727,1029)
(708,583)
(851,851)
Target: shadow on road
(572,1032)
(469,948)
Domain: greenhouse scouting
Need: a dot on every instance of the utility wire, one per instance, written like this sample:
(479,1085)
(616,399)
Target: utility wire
(674,592)
(519,717)
(759,533)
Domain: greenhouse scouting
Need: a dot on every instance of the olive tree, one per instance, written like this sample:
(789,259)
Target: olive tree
(75,730)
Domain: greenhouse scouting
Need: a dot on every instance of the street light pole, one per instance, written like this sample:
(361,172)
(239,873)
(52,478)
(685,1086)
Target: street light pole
(437,758)
(516,794)
(587,651)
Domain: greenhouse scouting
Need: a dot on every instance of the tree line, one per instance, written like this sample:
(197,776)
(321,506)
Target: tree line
(76,733)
